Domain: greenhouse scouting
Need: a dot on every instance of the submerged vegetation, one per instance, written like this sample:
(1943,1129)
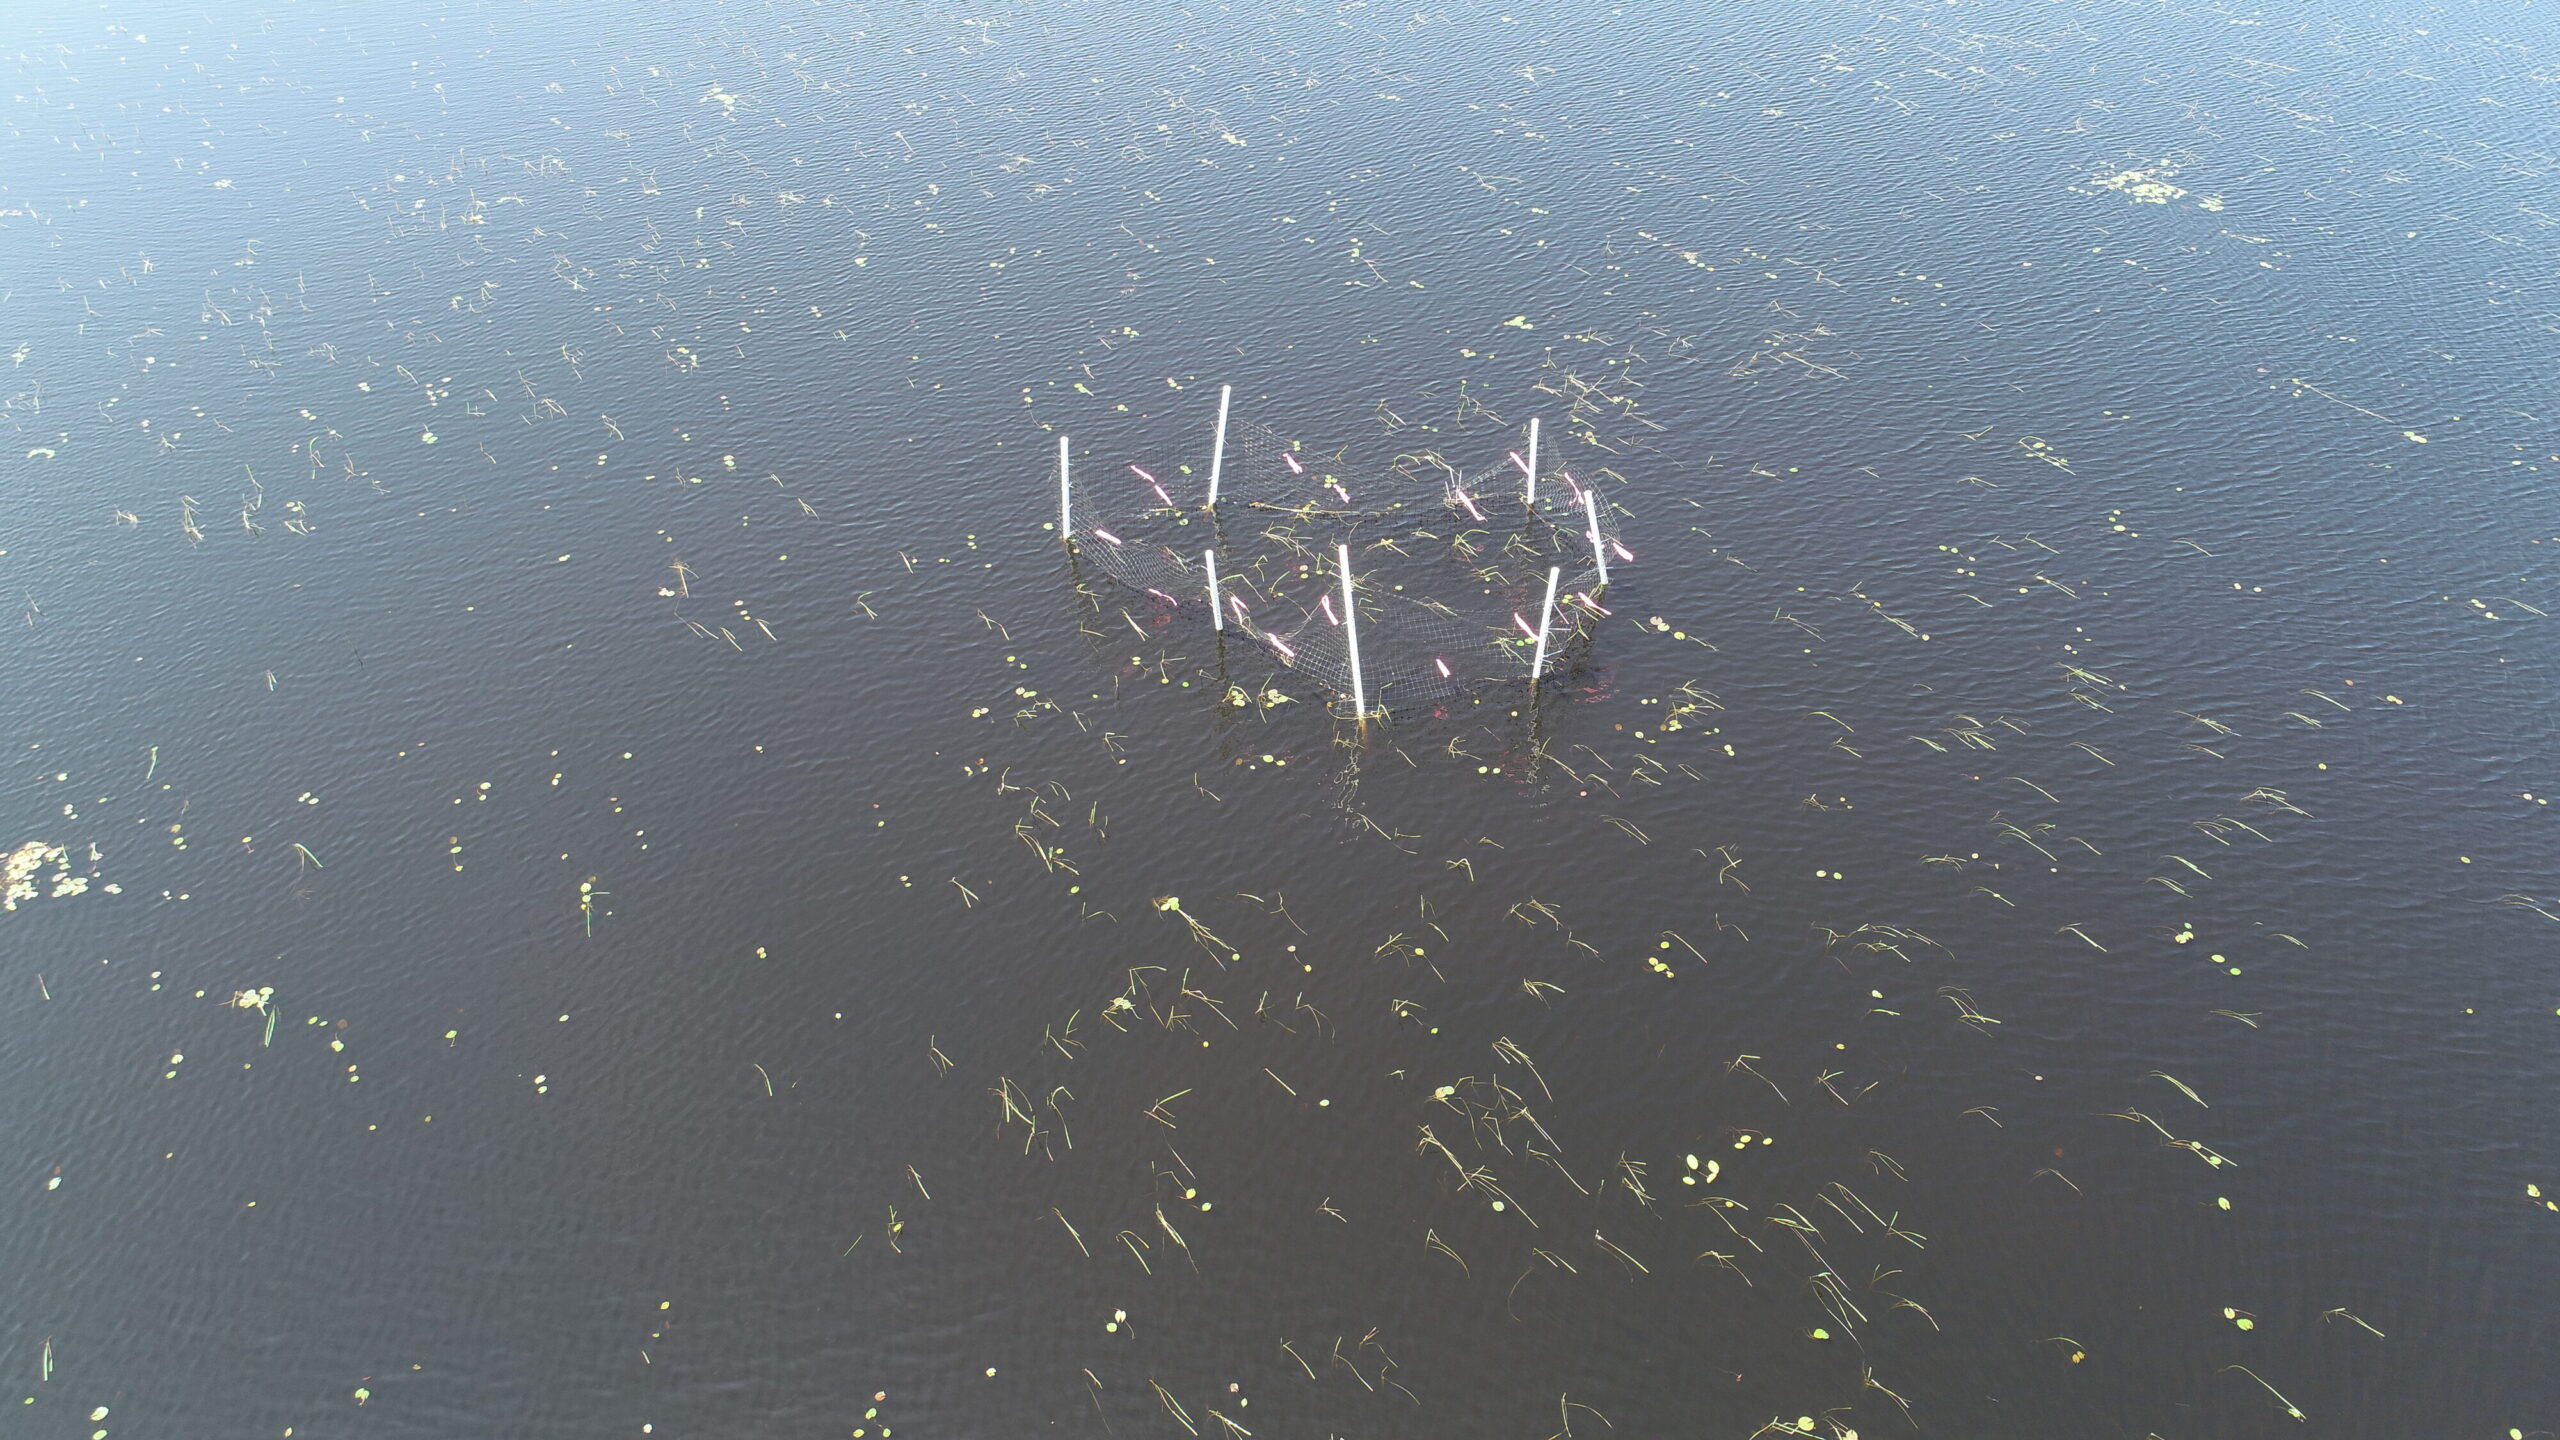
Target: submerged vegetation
(536,568)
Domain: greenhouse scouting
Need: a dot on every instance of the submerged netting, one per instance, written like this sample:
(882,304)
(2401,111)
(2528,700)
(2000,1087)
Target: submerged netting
(1449,570)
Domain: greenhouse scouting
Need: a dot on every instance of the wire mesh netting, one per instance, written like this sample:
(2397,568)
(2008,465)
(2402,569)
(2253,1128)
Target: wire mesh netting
(1450,571)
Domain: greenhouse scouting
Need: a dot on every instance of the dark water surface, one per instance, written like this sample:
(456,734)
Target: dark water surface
(523,538)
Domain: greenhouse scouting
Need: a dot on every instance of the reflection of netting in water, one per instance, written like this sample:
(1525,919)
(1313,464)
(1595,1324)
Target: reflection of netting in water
(1450,569)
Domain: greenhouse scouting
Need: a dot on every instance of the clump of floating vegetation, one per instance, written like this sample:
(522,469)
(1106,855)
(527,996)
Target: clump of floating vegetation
(22,872)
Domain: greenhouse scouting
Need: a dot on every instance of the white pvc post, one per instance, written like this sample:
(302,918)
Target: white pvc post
(1591,508)
(1531,492)
(1066,506)
(1218,451)
(1351,632)
(1545,613)
(1217,612)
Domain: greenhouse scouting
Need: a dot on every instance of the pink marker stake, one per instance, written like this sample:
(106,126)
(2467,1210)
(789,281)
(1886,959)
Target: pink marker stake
(1443,664)
(1105,534)
(1467,500)
(1325,604)
(1294,467)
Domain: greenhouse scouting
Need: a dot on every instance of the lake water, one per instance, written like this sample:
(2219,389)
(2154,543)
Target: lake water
(615,878)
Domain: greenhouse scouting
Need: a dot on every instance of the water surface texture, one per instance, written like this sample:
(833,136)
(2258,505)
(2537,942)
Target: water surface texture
(592,867)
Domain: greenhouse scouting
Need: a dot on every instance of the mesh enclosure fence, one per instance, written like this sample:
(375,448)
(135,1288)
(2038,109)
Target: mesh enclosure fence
(1449,570)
